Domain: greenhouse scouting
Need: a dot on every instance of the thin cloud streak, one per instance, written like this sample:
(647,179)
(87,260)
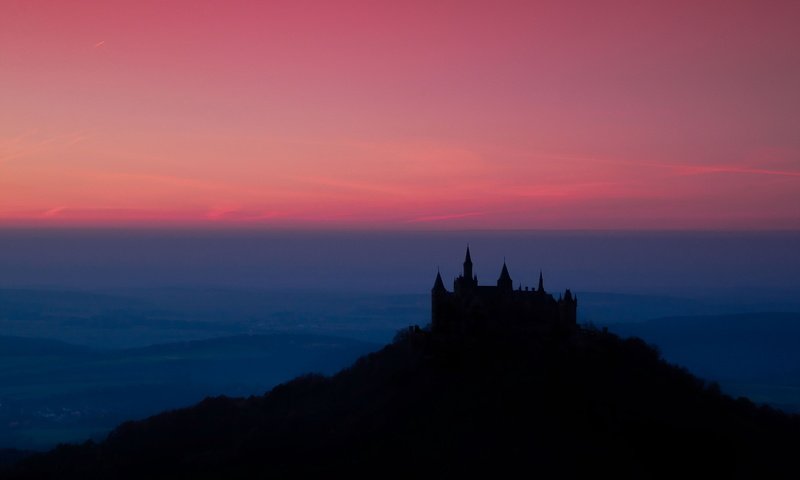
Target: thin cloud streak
(438,218)
(53,212)
(712,169)
(23,146)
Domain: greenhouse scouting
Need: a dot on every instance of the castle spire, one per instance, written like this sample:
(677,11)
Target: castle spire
(541,282)
(438,285)
(504,282)
(468,265)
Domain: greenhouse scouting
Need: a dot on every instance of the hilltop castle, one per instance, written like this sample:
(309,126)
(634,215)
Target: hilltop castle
(471,307)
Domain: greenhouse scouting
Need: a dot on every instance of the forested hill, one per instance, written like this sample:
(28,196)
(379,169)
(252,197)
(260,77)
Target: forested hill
(551,404)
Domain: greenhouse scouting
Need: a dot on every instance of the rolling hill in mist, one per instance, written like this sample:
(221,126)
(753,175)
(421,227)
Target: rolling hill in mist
(751,354)
(552,404)
(146,350)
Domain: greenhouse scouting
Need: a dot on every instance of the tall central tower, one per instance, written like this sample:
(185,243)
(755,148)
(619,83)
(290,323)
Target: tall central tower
(466,282)
(468,265)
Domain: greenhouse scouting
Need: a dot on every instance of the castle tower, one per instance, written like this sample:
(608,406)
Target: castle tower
(439,300)
(438,284)
(504,283)
(468,265)
(466,282)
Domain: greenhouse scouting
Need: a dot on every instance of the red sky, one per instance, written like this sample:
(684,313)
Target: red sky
(412,114)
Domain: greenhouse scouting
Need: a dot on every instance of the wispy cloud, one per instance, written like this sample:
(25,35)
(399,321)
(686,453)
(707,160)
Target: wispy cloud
(747,167)
(53,212)
(352,185)
(27,145)
(225,211)
(174,180)
(574,190)
(443,217)
(712,169)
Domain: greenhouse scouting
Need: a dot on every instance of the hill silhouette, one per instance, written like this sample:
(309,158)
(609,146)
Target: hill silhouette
(550,403)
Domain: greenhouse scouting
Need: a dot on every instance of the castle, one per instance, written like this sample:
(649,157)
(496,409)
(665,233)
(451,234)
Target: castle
(472,307)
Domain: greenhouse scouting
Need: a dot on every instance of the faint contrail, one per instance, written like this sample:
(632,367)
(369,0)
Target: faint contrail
(99,44)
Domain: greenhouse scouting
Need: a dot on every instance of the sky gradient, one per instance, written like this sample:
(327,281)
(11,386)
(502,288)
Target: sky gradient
(410,115)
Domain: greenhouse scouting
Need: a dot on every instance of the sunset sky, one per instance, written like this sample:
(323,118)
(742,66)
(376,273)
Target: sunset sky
(407,114)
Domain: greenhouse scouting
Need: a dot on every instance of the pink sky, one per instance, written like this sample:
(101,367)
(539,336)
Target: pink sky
(412,114)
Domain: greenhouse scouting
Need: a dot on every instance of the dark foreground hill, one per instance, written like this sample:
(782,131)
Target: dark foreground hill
(552,404)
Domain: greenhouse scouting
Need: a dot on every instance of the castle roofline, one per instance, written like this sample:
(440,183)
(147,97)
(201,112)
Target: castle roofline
(473,306)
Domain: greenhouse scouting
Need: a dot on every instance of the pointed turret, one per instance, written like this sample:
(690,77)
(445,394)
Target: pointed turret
(468,265)
(504,282)
(541,283)
(438,285)
(439,302)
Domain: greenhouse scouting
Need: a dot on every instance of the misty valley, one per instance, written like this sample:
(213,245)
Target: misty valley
(74,364)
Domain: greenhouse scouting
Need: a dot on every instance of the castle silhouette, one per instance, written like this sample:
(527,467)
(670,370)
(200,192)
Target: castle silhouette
(470,307)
